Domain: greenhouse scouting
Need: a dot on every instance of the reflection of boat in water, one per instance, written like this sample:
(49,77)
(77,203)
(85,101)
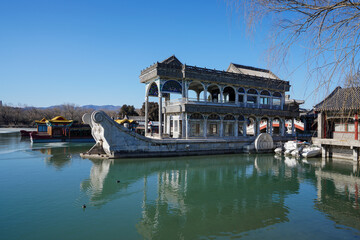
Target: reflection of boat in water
(290,162)
(196,192)
(59,154)
(205,197)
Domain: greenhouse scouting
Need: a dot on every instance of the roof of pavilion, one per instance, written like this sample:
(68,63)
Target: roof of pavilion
(172,61)
(60,120)
(343,99)
(42,121)
(234,71)
(252,71)
(125,120)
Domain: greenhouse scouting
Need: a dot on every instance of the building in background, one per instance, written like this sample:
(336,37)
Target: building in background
(338,123)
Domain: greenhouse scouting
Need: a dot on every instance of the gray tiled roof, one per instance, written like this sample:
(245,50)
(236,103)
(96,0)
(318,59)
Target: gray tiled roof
(172,60)
(341,99)
(252,71)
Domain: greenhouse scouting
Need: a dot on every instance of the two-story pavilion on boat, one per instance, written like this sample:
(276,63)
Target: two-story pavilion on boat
(201,111)
(197,102)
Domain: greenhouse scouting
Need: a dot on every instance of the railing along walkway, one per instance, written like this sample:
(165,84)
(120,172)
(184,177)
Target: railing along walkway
(220,103)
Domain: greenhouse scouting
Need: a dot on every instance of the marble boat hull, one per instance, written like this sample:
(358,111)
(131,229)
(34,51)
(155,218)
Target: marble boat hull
(116,141)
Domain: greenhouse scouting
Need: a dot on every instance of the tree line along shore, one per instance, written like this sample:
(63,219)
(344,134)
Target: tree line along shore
(24,117)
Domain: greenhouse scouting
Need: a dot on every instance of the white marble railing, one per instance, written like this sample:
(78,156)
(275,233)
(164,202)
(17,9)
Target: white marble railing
(228,103)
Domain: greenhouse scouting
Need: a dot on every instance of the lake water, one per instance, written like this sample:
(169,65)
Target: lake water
(43,188)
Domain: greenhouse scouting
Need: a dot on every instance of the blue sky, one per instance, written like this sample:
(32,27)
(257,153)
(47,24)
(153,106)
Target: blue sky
(92,52)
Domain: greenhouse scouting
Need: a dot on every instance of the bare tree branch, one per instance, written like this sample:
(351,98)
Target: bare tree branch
(327,30)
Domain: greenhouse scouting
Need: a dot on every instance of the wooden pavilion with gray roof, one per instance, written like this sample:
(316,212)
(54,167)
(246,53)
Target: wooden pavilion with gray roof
(196,102)
(338,123)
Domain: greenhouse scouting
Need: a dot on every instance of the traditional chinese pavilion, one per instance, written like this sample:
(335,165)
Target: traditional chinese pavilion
(198,102)
(338,123)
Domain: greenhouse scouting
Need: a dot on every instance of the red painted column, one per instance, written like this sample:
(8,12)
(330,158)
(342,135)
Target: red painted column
(324,126)
(356,127)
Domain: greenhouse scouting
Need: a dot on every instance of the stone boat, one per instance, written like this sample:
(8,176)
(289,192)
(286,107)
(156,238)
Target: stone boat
(115,141)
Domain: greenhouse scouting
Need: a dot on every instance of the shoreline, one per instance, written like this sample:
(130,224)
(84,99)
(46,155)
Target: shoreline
(14,130)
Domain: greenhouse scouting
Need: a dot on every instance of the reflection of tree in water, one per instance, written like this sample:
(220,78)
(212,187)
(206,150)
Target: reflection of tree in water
(199,196)
(57,157)
(59,154)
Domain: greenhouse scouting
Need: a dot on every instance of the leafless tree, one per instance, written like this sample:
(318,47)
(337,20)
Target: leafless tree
(327,30)
(18,116)
(112,114)
(26,116)
(5,115)
(352,80)
(69,110)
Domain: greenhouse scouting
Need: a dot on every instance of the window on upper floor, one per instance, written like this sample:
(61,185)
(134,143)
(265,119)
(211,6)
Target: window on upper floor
(264,100)
(241,98)
(276,101)
(251,99)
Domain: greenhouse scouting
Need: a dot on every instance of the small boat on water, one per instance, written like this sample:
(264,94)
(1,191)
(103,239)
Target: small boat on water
(297,149)
(312,151)
(59,129)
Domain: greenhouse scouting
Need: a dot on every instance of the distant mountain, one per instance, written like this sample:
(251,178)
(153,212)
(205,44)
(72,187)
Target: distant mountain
(103,107)
(94,107)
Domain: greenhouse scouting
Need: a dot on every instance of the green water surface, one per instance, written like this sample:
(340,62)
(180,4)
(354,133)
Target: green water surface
(43,188)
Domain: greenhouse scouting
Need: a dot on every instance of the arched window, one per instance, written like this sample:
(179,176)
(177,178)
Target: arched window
(172,86)
(229,125)
(240,129)
(264,125)
(197,116)
(252,91)
(251,126)
(153,90)
(214,117)
(196,125)
(214,93)
(265,98)
(252,95)
(229,95)
(213,125)
(277,100)
(265,93)
(277,94)
(241,90)
(194,90)
(276,124)
(229,118)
